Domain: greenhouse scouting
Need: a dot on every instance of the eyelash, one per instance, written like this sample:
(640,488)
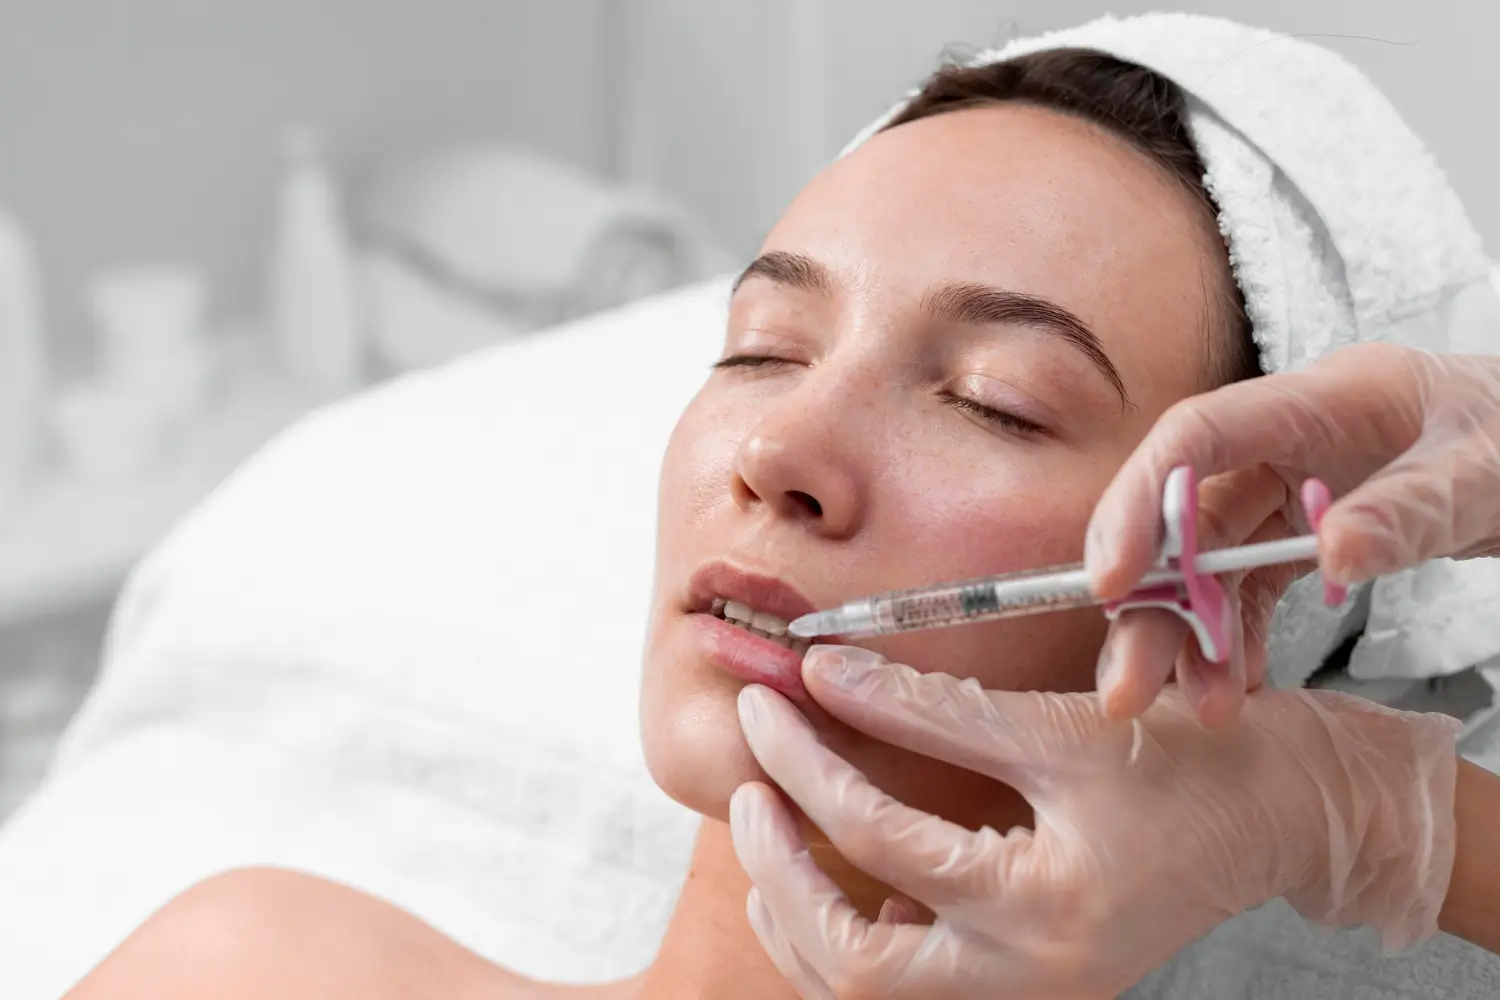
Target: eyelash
(748,361)
(1009,421)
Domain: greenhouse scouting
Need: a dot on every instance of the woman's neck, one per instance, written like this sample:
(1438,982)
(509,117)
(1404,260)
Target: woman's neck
(709,948)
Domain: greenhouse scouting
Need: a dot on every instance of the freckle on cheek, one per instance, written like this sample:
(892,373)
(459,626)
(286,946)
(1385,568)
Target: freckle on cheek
(996,545)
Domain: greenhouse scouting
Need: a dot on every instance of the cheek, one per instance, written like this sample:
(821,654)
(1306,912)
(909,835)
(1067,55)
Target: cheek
(696,470)
(1000,522)
(996,517)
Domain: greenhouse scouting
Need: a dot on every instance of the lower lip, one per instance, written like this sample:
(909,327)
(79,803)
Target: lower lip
(750,657)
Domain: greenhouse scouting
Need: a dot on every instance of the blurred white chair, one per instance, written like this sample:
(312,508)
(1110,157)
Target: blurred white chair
(474,245)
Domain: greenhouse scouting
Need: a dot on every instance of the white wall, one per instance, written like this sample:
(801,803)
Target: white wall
(136,129)
(725,111)
(739,102)
(742,136)
(139,129)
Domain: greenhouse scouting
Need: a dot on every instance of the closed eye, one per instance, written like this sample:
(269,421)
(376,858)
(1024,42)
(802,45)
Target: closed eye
(748,361)
(1000,418)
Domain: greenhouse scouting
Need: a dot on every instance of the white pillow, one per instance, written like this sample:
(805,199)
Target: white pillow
(401,648)
(503,506)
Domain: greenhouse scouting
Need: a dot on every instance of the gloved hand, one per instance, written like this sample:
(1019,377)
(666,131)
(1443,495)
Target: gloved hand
(1147,833)
(1409,443)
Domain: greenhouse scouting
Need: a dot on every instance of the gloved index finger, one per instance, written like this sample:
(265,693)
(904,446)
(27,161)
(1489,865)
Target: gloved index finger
(909,850)
(1262,421)
(1020,738)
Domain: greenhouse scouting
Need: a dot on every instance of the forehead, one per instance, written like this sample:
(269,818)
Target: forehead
(1026,199)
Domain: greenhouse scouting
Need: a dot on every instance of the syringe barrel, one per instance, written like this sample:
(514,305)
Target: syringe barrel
(992,598)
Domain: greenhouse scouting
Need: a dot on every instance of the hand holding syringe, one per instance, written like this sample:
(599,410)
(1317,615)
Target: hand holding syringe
(1184,582)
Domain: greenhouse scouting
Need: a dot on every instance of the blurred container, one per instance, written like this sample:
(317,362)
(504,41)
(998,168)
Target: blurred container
(109,431)
(150,322)
(145,313)
(22,363)
(313,307)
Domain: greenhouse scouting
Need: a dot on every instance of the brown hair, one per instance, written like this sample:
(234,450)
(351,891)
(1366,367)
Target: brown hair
(1142,107)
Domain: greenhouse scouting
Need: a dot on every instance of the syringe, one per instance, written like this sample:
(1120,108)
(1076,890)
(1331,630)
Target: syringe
(1010,595)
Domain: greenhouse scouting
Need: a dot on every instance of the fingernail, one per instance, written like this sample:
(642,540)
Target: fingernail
(897,910)
(752,707)
(739,813)
(1104,673)
(841,666)
(1095,552)
(1333,594)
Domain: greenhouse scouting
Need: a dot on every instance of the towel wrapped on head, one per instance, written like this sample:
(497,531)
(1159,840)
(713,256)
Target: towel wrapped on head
(1341,229)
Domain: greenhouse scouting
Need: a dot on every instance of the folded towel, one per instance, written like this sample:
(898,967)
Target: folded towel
(1341,229)
(490,241)
(1272,953)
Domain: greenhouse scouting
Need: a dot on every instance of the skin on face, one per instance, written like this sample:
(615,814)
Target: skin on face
(946,426)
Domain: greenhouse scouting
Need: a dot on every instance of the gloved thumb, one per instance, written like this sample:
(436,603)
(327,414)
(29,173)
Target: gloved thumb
(1011,736)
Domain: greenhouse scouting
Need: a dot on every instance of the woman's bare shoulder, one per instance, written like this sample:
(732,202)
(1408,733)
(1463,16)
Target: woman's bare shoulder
(259,932)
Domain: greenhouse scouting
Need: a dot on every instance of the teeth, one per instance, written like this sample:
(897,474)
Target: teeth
(737,612)
(759,623)
(744,614)
(769,623)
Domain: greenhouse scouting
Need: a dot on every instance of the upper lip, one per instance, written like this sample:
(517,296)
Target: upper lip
(763,593)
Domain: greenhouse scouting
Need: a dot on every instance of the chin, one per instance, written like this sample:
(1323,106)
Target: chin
(690,725)
(695,750)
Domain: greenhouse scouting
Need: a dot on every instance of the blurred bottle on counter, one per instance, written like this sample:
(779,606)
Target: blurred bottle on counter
(314,309)
(151,338)
(22,362)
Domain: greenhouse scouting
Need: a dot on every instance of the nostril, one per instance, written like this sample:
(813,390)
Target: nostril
(806,501)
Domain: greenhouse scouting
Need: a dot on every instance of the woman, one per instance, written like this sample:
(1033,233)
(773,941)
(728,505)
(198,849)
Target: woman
(949,343)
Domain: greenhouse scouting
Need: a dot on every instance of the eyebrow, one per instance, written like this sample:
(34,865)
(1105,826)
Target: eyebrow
(978,305)
(966,303)
(791,269)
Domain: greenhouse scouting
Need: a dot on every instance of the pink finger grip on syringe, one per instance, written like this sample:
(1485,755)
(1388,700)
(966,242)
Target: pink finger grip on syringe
(1199,599)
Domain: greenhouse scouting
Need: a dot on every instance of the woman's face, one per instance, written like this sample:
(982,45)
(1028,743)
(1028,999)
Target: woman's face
(950,341)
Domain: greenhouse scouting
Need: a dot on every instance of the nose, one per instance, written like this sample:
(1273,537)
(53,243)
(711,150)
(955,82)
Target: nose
(796,465)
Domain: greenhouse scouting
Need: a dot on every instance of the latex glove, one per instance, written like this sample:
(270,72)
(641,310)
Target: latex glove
(1409,443)
(1147,833)
(1143,648)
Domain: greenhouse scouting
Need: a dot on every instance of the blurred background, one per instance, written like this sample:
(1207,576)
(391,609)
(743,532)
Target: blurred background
(215,216)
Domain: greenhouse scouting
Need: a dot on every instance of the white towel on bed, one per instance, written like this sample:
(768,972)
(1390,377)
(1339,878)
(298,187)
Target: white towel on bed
(363,657)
